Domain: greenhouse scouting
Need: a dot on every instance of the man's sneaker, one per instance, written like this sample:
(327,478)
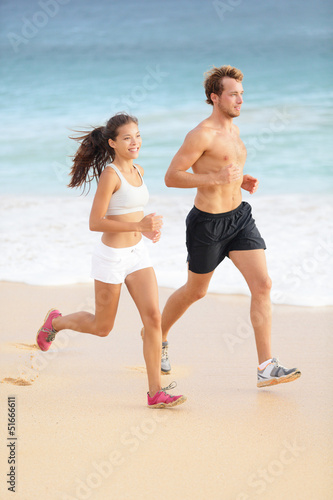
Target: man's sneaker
(46,334)
(274,373)
(165,363)
(164,400)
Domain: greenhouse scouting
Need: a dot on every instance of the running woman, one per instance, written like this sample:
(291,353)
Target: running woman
(107,154)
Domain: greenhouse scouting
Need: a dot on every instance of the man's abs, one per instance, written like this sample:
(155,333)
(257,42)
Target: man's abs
(219,199)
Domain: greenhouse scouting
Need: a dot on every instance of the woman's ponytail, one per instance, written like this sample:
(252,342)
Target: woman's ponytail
(95,152)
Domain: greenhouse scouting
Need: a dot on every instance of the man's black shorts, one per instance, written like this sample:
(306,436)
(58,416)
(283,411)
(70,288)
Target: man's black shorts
(210,237)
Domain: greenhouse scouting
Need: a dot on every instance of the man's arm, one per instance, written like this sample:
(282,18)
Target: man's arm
(250,183)
(195,144)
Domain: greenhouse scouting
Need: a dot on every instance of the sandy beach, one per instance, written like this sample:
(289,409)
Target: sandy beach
(83,429)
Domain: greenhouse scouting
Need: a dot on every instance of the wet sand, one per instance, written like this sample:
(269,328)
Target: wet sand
(83,429)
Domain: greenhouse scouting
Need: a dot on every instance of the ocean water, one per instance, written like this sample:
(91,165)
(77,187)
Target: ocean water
(69,64)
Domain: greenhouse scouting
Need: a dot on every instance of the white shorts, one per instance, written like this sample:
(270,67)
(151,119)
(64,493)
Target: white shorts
(112,265)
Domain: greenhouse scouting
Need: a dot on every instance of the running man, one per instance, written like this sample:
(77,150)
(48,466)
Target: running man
(220,224)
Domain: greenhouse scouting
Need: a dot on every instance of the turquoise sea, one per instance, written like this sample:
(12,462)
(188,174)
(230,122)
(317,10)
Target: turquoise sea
(70,64)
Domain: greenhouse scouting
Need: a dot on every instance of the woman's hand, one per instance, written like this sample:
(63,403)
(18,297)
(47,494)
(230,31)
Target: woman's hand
(151,223)
(154,236)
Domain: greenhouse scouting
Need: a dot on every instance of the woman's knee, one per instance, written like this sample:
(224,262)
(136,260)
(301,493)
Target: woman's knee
(152,319)
(103,330)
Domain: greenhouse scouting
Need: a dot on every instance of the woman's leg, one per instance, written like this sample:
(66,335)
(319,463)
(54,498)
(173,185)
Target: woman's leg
(101,323)
(142,286)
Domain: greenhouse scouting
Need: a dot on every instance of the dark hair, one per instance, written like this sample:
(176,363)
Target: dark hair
(214,80)
(94,151)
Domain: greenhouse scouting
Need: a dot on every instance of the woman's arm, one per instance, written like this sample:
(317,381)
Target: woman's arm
(107,185)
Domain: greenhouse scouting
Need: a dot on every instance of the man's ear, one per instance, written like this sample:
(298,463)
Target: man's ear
(213,97)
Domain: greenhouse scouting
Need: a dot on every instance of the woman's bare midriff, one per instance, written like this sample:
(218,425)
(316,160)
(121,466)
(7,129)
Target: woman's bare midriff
(124,239)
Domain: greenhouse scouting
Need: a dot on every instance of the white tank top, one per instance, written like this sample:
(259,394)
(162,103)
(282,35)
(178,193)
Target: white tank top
(128,198)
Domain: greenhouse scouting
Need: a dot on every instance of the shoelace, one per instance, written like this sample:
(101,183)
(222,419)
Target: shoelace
(278,364)
(170,386)
(165,352)
(51,334)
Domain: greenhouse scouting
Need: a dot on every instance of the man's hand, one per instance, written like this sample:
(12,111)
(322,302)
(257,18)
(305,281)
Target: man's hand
(250,184)
(228,174)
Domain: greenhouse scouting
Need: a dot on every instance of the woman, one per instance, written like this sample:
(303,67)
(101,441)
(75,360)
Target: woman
(120,256)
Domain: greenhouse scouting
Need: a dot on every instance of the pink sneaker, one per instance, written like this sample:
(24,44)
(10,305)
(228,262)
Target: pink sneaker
(164,400)
(46,334)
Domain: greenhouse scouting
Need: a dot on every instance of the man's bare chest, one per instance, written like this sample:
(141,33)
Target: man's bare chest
(229,151)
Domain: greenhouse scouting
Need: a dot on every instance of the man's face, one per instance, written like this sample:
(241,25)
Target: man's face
(230,101)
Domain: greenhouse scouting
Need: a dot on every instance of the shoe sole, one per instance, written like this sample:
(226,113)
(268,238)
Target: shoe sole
(169,405)
(47,315)
(165,372)
(280,380)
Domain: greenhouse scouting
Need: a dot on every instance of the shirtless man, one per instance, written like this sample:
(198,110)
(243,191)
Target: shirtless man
(220,224)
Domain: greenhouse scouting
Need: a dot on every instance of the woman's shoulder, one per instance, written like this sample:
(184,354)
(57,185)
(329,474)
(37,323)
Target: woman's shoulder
(139,168)
(109,176)
(109,170)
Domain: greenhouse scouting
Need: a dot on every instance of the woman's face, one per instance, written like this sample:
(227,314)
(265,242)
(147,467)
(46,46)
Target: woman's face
(128,141)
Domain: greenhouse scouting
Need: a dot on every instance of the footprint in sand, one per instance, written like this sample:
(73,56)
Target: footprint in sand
(27,347)
(13,346)
(141,369)
(17,381)
(27,373)
(177,370)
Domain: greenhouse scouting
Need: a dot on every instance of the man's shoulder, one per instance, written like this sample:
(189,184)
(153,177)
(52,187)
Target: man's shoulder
(203,130)
(209,128)
(206,126)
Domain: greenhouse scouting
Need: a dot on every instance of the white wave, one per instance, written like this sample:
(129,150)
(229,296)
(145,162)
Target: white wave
(46,241)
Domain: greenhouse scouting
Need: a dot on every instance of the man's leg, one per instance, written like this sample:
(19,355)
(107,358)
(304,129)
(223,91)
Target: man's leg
(176,305)
(252,265)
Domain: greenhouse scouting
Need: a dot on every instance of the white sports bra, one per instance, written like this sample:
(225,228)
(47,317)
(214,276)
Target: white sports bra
(128,198)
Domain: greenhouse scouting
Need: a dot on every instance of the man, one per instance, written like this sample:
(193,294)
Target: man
(220,224)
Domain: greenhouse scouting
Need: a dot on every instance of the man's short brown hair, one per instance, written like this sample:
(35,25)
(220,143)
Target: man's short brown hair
(213,82)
